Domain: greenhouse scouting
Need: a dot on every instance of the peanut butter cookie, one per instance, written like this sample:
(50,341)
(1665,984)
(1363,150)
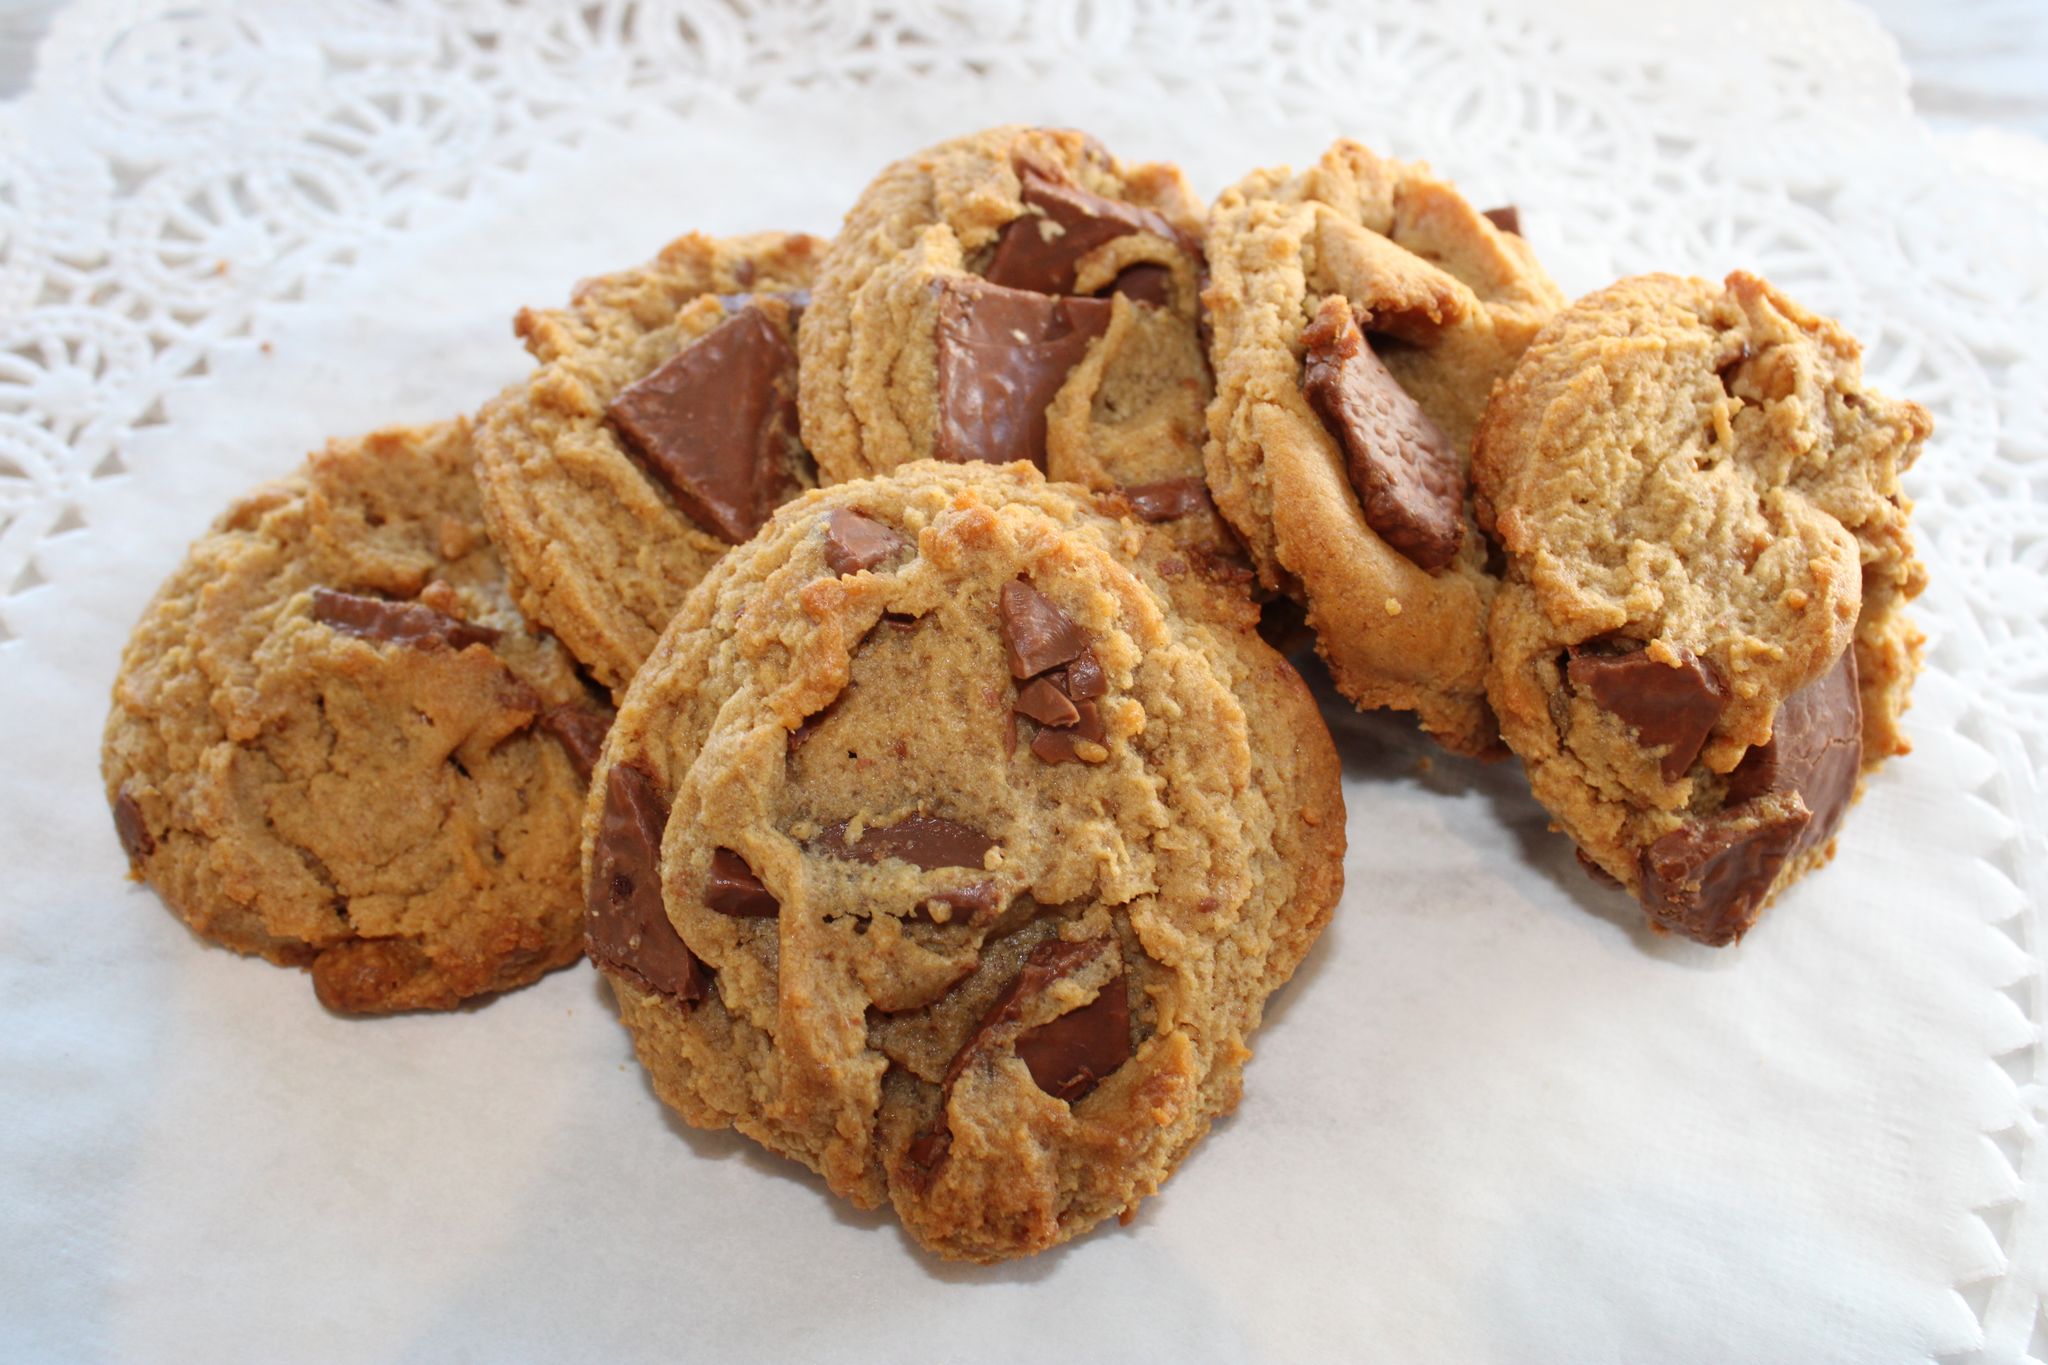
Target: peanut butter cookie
(1361,311)
(1700,645)
(336,744)
(946,847)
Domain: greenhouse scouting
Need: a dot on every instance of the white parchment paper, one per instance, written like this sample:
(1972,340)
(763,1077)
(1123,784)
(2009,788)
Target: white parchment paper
(1491,1119)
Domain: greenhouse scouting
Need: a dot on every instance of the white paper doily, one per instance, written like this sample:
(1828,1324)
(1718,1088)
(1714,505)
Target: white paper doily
(1492,1120)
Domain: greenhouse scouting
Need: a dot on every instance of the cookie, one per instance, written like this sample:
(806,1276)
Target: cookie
(1700,645)
(1360,312)
(336,744)
(659,431)
(1020,294)
(946,847)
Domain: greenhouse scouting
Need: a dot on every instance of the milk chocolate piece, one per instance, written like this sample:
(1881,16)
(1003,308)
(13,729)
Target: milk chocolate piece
(1067,1060)
(1507,218)
(133,831)
(1043,701)
(717,424)
(1085,678)
(1146,284)
(403,623)
(975,900)
(1070,1055)
(1168,499)
(1815,749)
(1002,356)
(1404,469)
(854,541)
(731,888)
(581,731)
(1707,879)
(929,841)
(1061,745)
(1037,634)
(1672,707)
(626,925)
(1040,251)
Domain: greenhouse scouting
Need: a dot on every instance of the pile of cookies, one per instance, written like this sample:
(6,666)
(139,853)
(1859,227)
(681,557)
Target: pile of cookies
(855,647)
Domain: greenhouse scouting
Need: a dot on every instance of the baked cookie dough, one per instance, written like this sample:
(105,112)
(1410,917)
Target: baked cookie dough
(659,431)
(1700,645)
(945,847)
(1020,294)
(335,743)
(1361,310)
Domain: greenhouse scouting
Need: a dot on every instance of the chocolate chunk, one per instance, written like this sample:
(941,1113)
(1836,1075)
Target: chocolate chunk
(1707,879)
(133,831)
(717,424)
(1672,707)
(1041,700)
(1063,745)
(1815,749)
(581,731)
(1040,251)
(1067,1060)
(626,924)
(731,888)
(403,623)
(1167,500)
(1037,634)
(1507,218)
(1085,678)
(1787,797)
(975,900)
(1147,284)
(929,841)
(1002,356)
(854,541)
(1070,1055)
(1404,469)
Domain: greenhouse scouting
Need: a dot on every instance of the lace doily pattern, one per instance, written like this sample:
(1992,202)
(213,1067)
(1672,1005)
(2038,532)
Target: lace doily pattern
(177,166)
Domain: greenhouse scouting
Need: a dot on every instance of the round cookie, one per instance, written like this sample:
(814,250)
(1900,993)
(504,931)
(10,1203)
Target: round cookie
(1700,644)
(1360,313)
(1020,294)
(335,743)
(659,431)
(946,847)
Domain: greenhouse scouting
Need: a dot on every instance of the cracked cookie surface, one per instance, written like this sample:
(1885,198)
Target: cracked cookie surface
(948,847)
(336,744)
(1700,644)
(1361,311)
(659,430)
(1020,294)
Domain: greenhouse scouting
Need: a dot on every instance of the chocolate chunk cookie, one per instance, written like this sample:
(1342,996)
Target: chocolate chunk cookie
(948,848)
(659,431)
(1019,295)
(336,744)
(1361,311)
(1700,644)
